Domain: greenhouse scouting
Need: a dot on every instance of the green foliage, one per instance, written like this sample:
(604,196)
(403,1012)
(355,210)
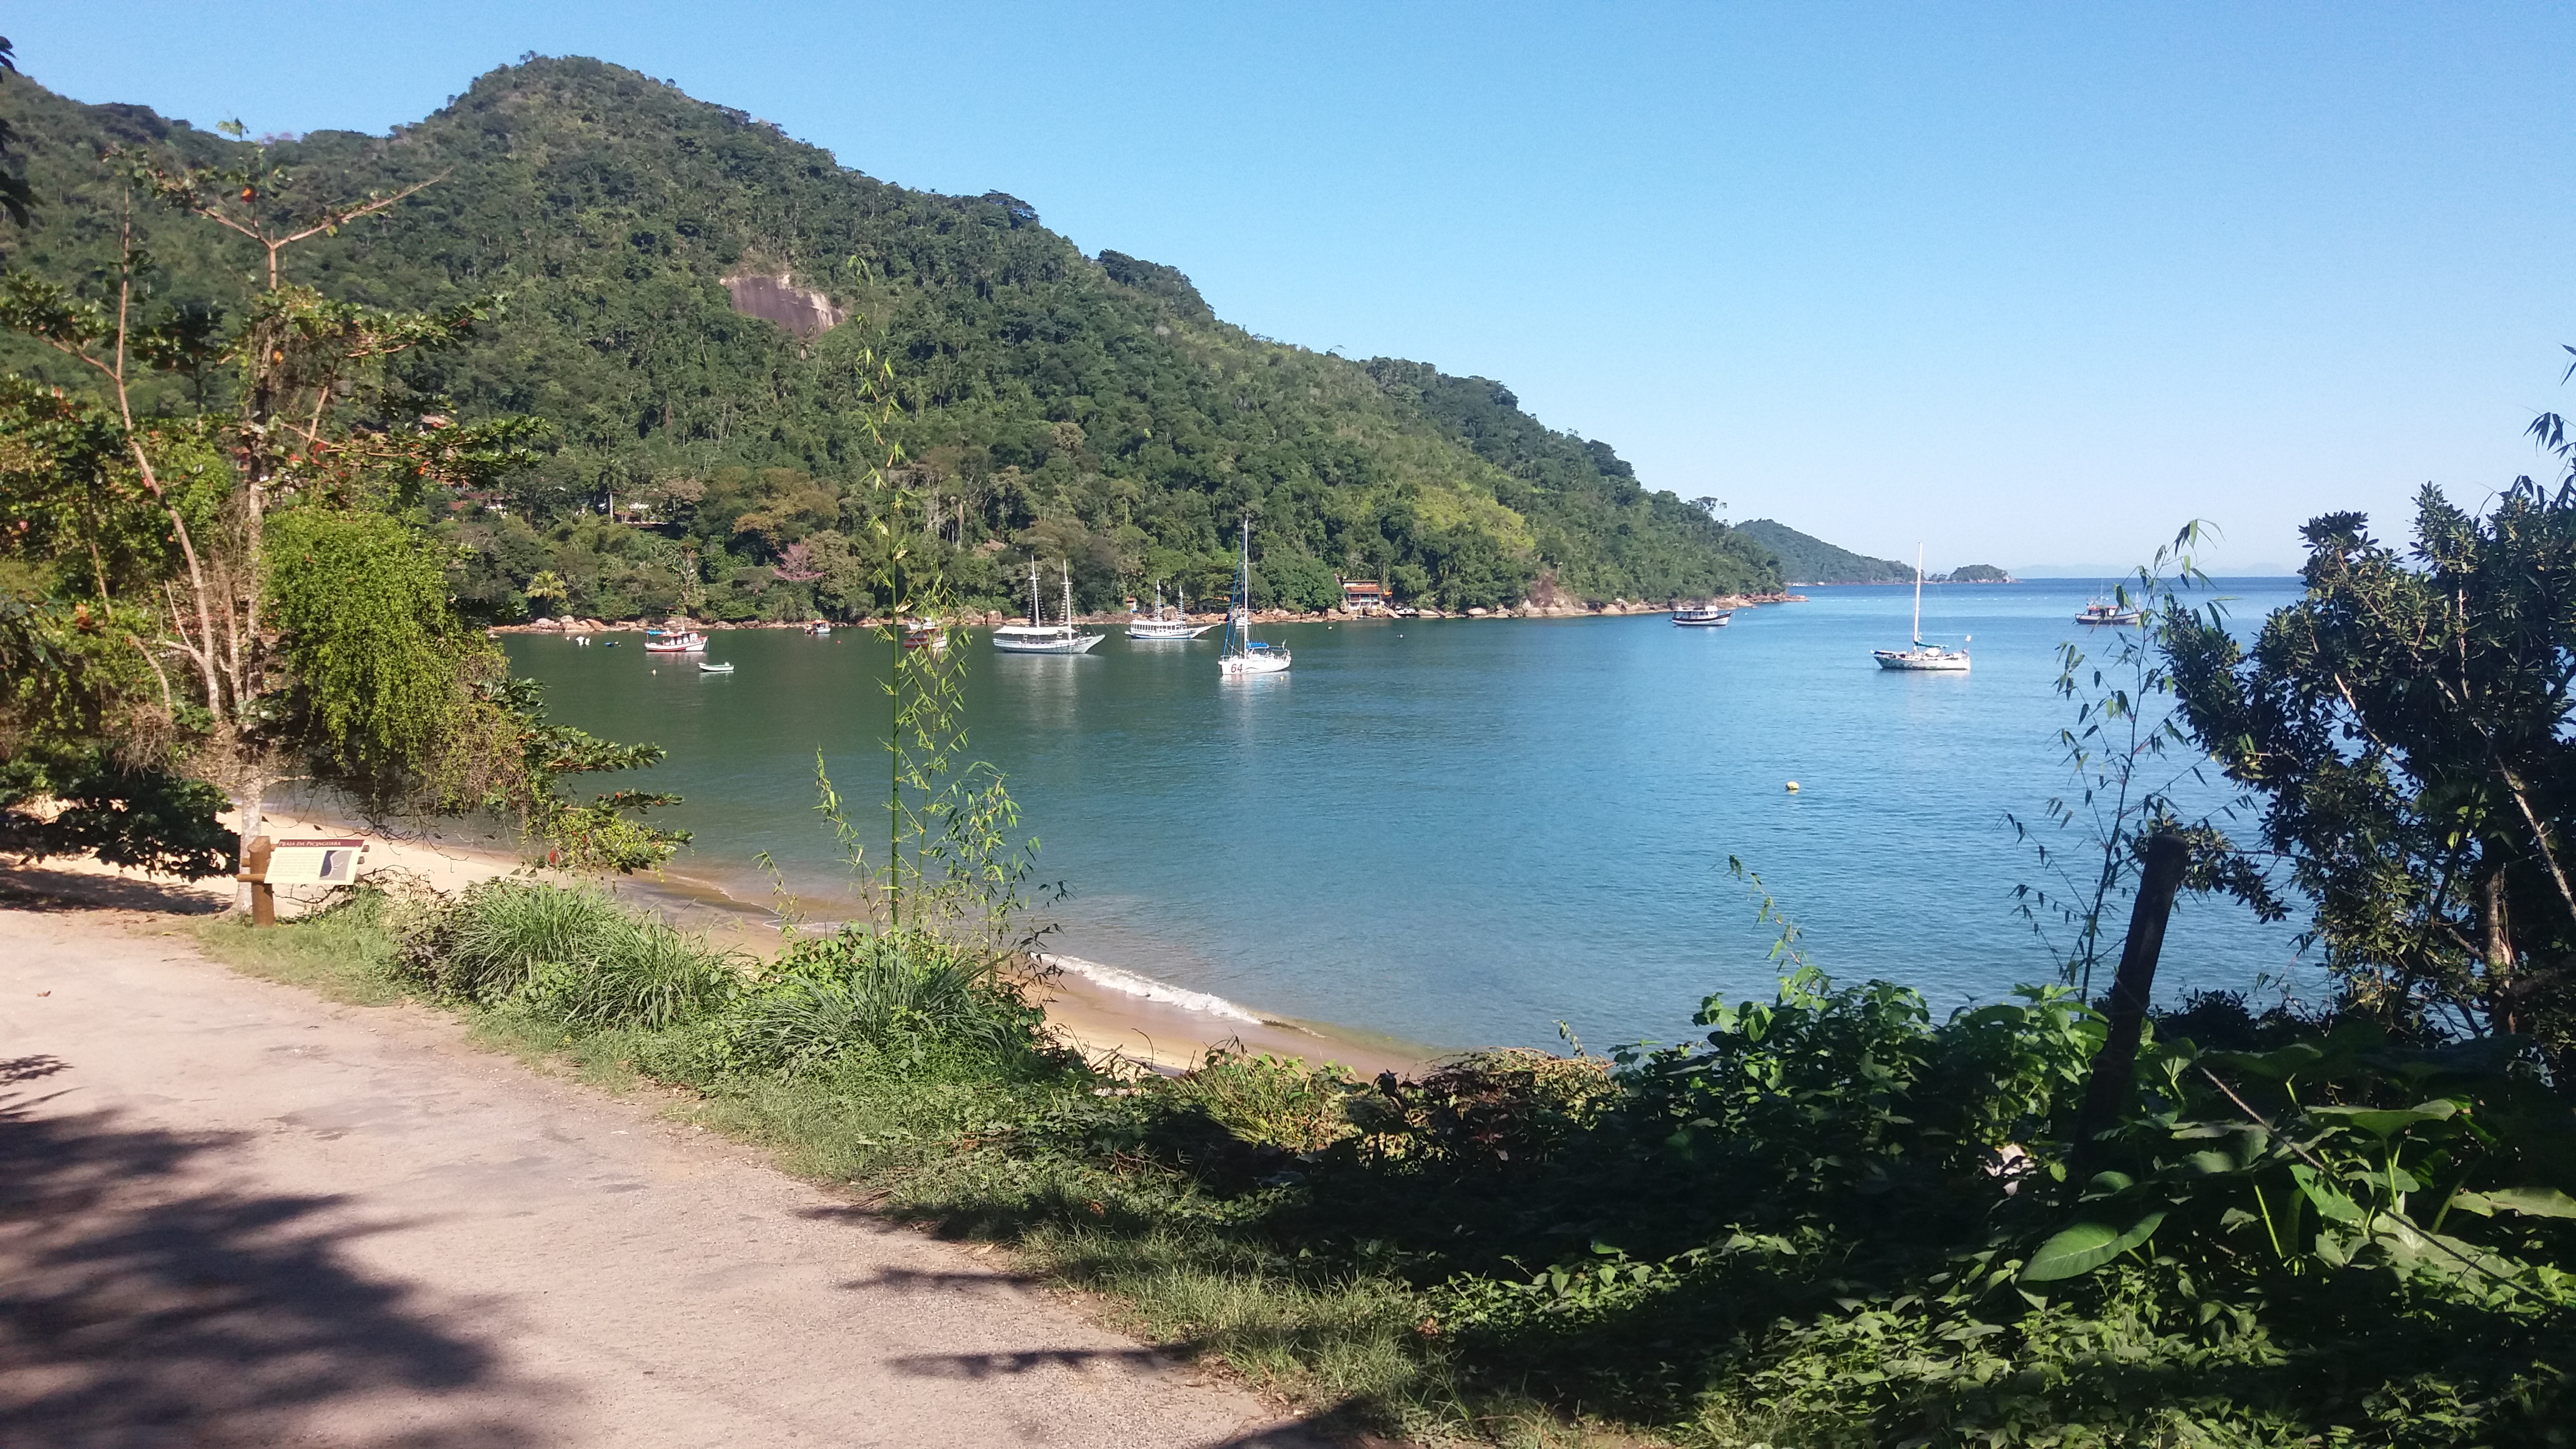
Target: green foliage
(351,950)
(133,818)
(573,958)
(488,944)
(899,993)
(362,608)
(646,976)
(1092,410)
(1808,560)
(2403,727)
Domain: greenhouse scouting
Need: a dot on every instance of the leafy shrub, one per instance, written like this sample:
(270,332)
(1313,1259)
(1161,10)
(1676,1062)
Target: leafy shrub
(640,973)
(1823,1103)
(1492,1108)
(1264,1100)
(488,944)
(884,991)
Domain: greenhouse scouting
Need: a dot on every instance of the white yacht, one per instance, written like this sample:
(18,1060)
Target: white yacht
(1922,656)
(1702,616)
(1242,656)
(1037,636)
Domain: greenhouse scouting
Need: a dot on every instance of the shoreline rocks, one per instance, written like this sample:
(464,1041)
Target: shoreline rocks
(1561,609)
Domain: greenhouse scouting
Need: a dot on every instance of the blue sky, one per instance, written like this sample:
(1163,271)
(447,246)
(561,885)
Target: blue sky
(2030,284)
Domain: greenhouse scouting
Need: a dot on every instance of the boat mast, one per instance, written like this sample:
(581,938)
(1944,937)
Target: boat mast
(1033,591)
(1918,596)
(1068,593)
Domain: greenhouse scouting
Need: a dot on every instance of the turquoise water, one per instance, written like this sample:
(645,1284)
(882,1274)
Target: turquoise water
(1461,831)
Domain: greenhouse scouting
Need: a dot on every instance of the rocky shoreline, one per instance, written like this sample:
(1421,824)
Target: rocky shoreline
(1526,610)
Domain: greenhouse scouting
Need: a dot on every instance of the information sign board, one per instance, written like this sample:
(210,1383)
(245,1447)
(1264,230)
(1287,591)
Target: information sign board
(314,862)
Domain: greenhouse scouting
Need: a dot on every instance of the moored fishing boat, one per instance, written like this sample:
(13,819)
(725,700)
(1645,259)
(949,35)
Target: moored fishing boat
(673,641)
(705,668)
(2105,611)
(1702,616)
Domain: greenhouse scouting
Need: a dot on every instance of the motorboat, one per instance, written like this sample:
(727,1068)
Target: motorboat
(705,668)
(1924,657)
(930,634)
(674,641)
(820,628)
(1037,636)
(1702,616)
(1165,624)
(1242,655)
(2105,611)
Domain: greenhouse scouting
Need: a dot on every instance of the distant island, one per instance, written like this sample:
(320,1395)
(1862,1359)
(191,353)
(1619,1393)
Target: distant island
(1977,574)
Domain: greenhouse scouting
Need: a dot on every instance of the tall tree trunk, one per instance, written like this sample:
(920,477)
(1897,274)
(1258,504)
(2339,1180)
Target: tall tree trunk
(2116,1064)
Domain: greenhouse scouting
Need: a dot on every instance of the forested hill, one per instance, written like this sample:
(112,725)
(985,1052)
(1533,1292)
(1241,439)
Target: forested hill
(1058,404)
(1809,560)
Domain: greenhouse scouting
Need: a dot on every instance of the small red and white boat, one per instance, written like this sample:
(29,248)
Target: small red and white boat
(674,641)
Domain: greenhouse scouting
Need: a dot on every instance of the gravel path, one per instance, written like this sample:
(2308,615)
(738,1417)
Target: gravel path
(231,1213)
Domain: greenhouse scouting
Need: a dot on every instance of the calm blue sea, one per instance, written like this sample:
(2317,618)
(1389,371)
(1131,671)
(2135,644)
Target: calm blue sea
(1462,832)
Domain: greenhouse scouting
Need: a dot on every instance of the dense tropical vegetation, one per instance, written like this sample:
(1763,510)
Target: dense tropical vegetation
(208,583)
(1085,409)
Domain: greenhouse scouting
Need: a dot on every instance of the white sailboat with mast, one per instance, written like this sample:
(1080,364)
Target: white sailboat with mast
(1922,656)
(1242,656)
(1037,636)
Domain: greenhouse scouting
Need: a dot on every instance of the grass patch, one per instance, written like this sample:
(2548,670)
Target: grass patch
(347,954)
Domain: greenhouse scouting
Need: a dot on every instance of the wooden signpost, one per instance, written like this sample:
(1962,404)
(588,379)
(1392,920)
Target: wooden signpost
(271,863)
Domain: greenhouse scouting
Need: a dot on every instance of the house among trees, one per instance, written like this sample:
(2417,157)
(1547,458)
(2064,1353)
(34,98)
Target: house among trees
(1363,596)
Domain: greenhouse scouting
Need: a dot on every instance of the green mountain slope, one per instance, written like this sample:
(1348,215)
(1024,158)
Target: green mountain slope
(1808,560)
(1086,408)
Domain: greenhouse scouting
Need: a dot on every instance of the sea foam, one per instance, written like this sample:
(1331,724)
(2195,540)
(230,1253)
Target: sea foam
(1132,984)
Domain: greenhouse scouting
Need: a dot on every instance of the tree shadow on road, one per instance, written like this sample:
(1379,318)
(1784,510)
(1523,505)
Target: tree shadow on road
(143,1303)
(29,887)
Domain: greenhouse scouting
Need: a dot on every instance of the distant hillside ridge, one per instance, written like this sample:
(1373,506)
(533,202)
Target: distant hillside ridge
(1806,559)
(688,295)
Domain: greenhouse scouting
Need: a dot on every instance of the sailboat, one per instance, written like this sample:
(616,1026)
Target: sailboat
(1241,655)
(1038,636)
(1922,655)
(1166,623)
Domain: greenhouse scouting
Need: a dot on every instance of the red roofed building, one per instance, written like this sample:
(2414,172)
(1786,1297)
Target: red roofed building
(1363,596)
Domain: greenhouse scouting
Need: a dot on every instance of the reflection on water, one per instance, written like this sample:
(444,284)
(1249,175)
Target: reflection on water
(1459,831)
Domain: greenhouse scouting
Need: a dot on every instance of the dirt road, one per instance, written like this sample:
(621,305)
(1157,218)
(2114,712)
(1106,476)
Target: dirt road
(231,1213)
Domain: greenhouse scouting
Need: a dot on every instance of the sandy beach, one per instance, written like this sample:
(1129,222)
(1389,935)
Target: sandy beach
(1097,1008)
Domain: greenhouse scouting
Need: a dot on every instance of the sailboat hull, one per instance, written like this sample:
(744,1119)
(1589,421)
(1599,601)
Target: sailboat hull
(1935,660)
(1269,661)
(1075,644)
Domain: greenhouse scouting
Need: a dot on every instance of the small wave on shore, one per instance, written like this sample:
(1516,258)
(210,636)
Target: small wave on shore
(1128,982)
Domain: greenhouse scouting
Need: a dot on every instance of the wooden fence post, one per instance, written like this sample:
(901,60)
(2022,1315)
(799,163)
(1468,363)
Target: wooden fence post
(2116,1064)
(254,869)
